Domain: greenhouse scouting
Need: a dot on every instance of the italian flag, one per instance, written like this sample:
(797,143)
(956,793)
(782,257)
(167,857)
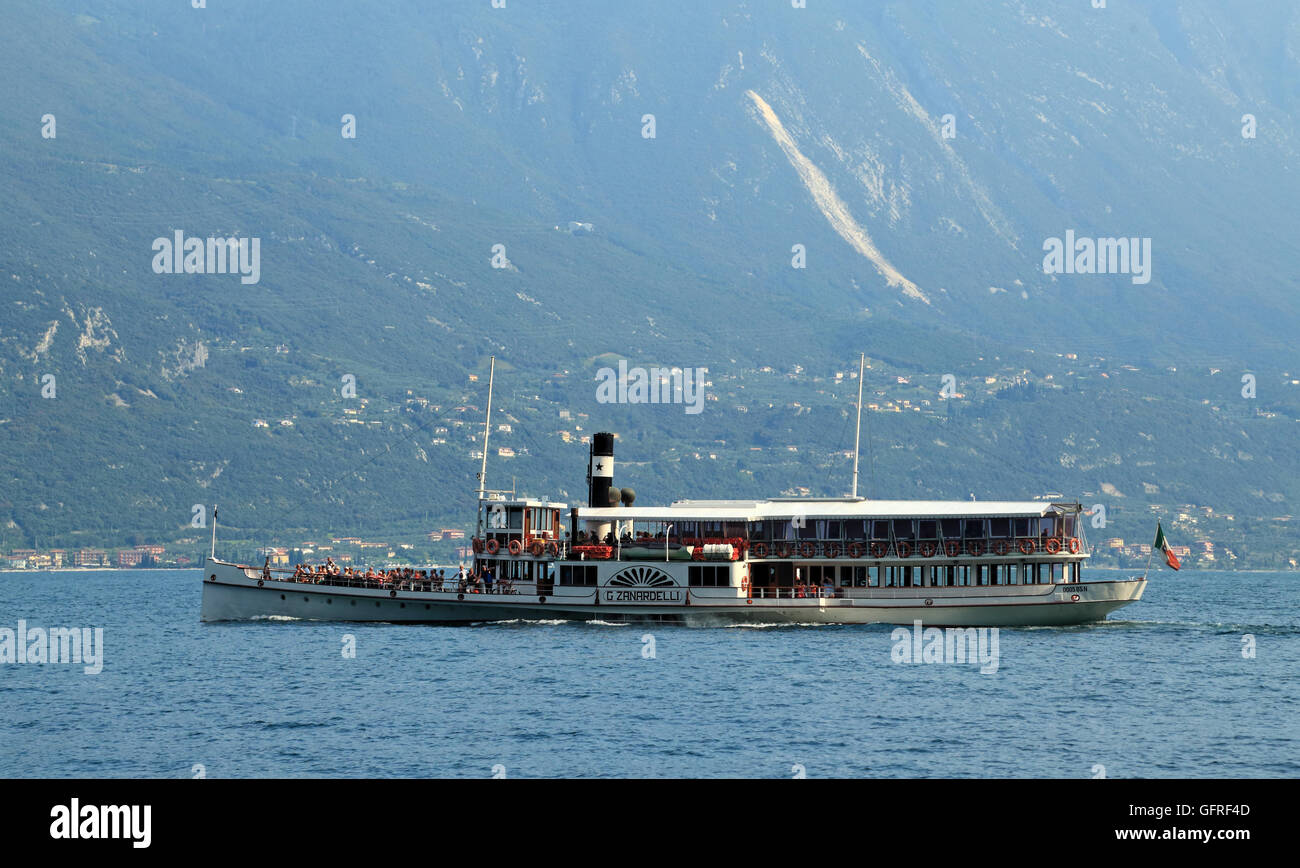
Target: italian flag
(1163,545)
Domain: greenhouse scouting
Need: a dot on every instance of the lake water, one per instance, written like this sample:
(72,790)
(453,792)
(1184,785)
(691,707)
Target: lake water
(1163,689)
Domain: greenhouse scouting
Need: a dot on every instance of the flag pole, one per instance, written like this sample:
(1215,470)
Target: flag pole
(1151,554)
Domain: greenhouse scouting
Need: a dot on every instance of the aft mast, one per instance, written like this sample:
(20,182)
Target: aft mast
(487,430)
(857,434)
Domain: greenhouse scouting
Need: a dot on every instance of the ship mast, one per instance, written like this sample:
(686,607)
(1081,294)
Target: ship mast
(857,434)
(487,428)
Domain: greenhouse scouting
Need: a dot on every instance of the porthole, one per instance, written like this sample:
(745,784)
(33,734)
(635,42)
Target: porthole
(282,596)
(305,600)
(426,607)
(329,602)
(403,606)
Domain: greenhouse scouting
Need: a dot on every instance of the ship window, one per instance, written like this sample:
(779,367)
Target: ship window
(904,528)
(982,574)
(855,529)
(1056,571)
(963,575)
(709,577)
(880,530)
(999,528)
(874,576)
(1011,577)
(578,575)
(1022,527)
(974,528)
(929,529)
(1069,525)
(859,577)
(834,530)
(809,529)
(951,528)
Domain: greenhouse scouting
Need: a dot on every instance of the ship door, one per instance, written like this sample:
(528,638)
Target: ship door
(768,576)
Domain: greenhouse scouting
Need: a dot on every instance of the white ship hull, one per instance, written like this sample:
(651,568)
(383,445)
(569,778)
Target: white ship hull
(234,593)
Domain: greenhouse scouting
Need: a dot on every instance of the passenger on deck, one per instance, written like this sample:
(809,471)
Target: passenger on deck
(487,580)
(266,569)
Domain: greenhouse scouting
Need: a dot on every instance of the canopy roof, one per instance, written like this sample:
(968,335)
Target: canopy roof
(758,510)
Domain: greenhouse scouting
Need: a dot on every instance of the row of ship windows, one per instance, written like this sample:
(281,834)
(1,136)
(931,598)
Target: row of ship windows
(911,529)
(960,575)
(909,576)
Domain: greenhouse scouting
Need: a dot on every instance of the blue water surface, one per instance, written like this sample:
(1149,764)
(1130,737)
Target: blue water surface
(1161,690)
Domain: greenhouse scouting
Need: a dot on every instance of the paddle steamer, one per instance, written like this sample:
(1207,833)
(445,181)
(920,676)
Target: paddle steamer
(831,560)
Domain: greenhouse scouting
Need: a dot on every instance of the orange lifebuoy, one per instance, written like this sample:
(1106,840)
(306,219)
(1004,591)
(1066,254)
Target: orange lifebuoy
(807,549)
(552,548)
(832,550)
(1026,546)
(697,553)
(975,548)
(928,549)
(536,548)
(1053,546)
(477,545)
(1000,547)
(1074,545)
(785,551)
(515,547)
(759,550)
(493,546)
(951,548)
(904,549)
(878,549)
(855,550)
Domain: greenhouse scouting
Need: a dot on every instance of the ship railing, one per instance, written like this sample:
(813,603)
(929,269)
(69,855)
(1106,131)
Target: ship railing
(909,548)
(448,584)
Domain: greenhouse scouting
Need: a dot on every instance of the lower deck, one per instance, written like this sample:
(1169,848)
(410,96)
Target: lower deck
(232,592)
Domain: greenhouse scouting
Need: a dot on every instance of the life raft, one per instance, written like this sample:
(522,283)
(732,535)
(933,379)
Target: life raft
(493,546)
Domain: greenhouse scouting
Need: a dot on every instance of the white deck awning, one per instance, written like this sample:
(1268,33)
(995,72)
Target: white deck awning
(759,510)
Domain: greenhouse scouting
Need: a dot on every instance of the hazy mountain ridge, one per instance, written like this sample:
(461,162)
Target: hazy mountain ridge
(479,127)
